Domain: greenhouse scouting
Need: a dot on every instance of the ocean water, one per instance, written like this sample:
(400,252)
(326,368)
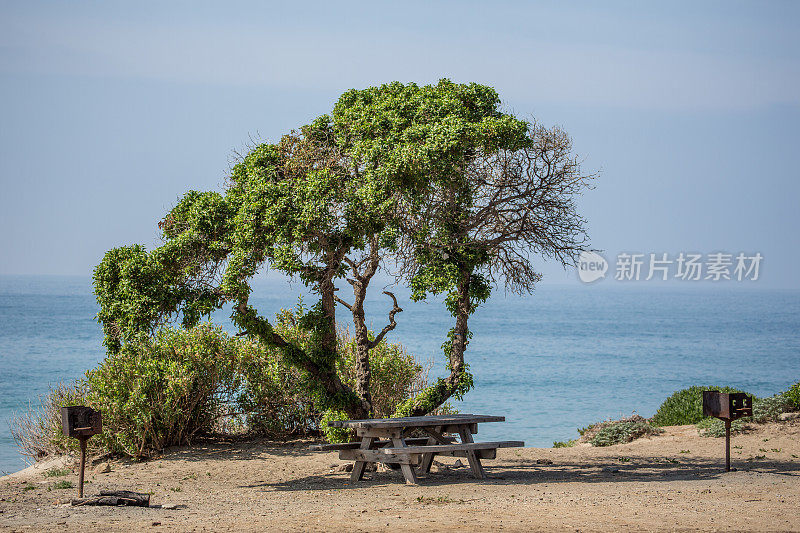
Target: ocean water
(551,362)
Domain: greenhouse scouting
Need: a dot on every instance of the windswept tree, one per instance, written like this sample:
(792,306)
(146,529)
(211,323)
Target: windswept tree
(435,180)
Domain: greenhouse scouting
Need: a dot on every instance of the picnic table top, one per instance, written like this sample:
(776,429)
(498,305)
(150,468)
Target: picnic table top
(415,421)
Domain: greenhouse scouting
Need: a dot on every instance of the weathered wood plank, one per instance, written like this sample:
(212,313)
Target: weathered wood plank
(458,446)
(355,445)
(379,457)
(490,453)
(386,433)
(416,421)
(334,447)
(376,456)
(454,429)
(115,497)
(434,437)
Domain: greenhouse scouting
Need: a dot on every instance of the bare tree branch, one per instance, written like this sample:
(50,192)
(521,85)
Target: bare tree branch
(391,325)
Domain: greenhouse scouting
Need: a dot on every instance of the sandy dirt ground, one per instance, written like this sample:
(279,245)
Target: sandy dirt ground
(673,481)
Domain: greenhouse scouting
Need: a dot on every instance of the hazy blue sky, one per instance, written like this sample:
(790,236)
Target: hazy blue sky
(110,111)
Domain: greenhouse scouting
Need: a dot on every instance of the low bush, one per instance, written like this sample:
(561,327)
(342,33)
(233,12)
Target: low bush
(161,391)
(768,409)
(684,407)
(333,434)
(156,392)
(565,444)
(274,396)
(793,397)
(618,431)
(714,427)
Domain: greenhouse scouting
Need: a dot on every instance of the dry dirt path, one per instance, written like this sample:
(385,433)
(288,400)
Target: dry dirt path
(669,482)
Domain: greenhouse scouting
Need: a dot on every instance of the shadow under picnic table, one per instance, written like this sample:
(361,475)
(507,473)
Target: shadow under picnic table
(526,472)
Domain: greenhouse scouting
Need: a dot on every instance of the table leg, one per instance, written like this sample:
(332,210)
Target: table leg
(358,467)
(427,458)
(408,470)
(474,461)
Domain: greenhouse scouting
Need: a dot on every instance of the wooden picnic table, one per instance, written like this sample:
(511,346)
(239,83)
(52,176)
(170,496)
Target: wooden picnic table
(388,440)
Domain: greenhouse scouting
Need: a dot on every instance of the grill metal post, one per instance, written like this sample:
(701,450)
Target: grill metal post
(82,440)
(727,445)
(727,407)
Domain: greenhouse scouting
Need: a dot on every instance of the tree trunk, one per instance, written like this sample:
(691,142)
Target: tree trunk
(326,289)
(363,371)
(461,330)
(360,407)
(459,381)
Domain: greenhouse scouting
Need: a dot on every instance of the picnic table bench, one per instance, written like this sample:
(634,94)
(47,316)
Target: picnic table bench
(388,440)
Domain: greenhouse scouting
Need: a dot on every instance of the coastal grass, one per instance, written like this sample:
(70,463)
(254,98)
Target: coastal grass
(56,472)
(565,444)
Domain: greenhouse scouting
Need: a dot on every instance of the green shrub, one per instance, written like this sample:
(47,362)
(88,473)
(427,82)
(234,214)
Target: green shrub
(793,397)
(565,444)
(161,391)
(275,396)
(333,434)
(768,409)
(684,407)
(714,427)
(57,472)
(622,431)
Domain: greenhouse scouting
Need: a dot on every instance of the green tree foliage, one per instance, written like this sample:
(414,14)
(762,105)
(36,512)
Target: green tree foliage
(287,205)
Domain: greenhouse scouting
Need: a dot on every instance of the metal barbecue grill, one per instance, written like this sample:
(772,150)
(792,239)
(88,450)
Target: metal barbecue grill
(79,422)
(727,406)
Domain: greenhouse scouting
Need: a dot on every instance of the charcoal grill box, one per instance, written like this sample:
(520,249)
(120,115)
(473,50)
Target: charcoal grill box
(79,421)
(727,405)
